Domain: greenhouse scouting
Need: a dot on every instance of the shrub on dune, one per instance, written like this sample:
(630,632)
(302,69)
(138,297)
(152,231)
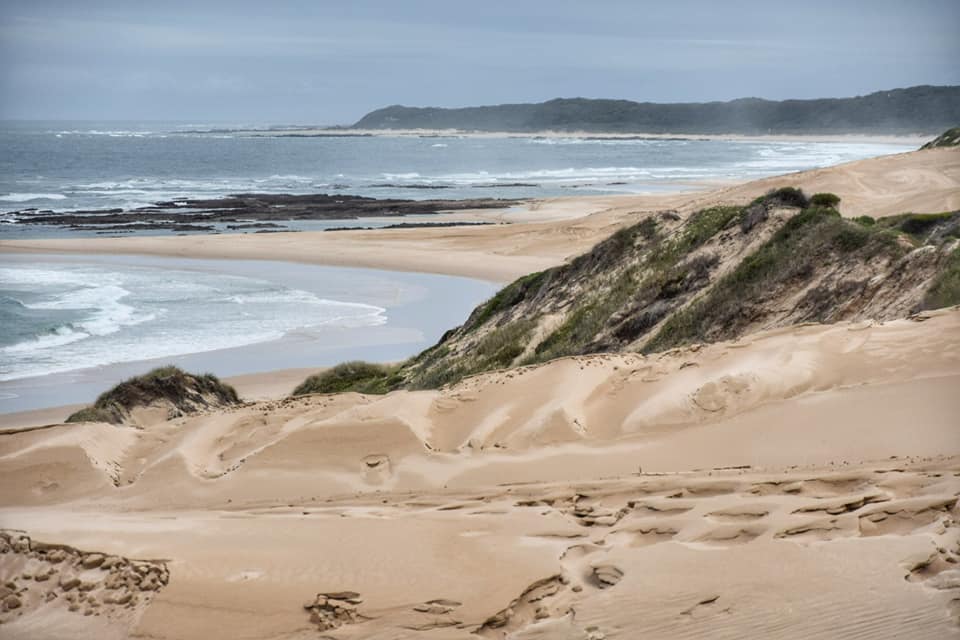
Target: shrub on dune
(183,392)
(825,200)
(358,376)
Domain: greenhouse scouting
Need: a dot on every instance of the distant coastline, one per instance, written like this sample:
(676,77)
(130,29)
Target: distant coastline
(916,138)
(927,109)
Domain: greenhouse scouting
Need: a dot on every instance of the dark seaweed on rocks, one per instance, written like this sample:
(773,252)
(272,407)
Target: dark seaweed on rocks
(242,211)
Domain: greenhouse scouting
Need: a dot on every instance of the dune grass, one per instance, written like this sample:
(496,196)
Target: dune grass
(169,383)
(358,376)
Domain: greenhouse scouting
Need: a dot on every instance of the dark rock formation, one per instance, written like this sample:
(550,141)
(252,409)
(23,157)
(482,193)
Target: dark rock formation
(247,211)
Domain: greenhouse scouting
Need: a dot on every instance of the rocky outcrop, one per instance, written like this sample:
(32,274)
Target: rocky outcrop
(333,610)
(38,578)
(259,212)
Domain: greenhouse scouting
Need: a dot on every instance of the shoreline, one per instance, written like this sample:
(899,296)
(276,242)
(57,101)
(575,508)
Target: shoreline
(320,132)
(537,501)
(544,234)
(418,309)
(252,387)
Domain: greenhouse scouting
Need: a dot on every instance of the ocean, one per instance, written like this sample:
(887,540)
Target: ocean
(66,166)
(74,325)
(60,315)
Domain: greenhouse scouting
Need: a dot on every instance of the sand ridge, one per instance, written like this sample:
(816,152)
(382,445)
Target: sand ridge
(800,482)
(728,489)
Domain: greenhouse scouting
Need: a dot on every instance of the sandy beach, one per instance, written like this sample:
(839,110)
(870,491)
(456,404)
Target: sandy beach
(799,482)
(772,474)
(547,232)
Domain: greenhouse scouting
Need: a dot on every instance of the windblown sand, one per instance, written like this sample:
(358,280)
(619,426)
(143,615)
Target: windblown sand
(797,483)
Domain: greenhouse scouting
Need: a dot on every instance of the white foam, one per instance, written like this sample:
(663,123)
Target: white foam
(61,336)
(27,197)
(132,314)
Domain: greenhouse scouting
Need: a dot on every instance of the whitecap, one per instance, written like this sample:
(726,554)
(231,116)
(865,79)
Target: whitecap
(59,337)
(27,197)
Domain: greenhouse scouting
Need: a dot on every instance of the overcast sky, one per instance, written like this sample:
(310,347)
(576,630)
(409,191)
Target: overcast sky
(328,62)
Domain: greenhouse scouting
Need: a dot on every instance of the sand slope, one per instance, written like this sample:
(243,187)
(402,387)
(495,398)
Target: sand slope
(798,483)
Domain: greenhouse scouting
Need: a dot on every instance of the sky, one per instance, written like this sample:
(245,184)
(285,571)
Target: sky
(329,62)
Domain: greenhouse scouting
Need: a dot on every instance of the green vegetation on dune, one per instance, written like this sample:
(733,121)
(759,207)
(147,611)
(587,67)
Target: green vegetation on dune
(362,377)
(922,227)
(184,391)
(945,290)
(637,275)
(949,138)
(507,297)
(812,237)
(825,200)
(667,281)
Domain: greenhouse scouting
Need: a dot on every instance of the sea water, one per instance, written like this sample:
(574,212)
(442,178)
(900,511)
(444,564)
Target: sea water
(65,166)
(59,316)
(71,326)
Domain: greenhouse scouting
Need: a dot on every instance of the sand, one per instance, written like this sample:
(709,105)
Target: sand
(797,483)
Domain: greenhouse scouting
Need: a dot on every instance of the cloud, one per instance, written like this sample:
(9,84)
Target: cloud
(332,61)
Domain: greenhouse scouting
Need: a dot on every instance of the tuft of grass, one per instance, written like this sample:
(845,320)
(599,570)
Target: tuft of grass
(784,196)
(949,138)
(945,289)
(791,253)
(499,348)
(92,414)
(508,297)
(183,390)
(921,225)
(825,200)
(358,376)
(700,227)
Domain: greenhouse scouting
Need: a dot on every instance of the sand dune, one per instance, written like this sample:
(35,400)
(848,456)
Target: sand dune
(797,483)
(551,230)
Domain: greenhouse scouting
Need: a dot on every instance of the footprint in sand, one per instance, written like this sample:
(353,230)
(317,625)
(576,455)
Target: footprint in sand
(605,576)
(746,513)
(905,516)
(717,395)
(731,535)
(434,614)
(823,529)
(704,607)
(641,536)
(376,468)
